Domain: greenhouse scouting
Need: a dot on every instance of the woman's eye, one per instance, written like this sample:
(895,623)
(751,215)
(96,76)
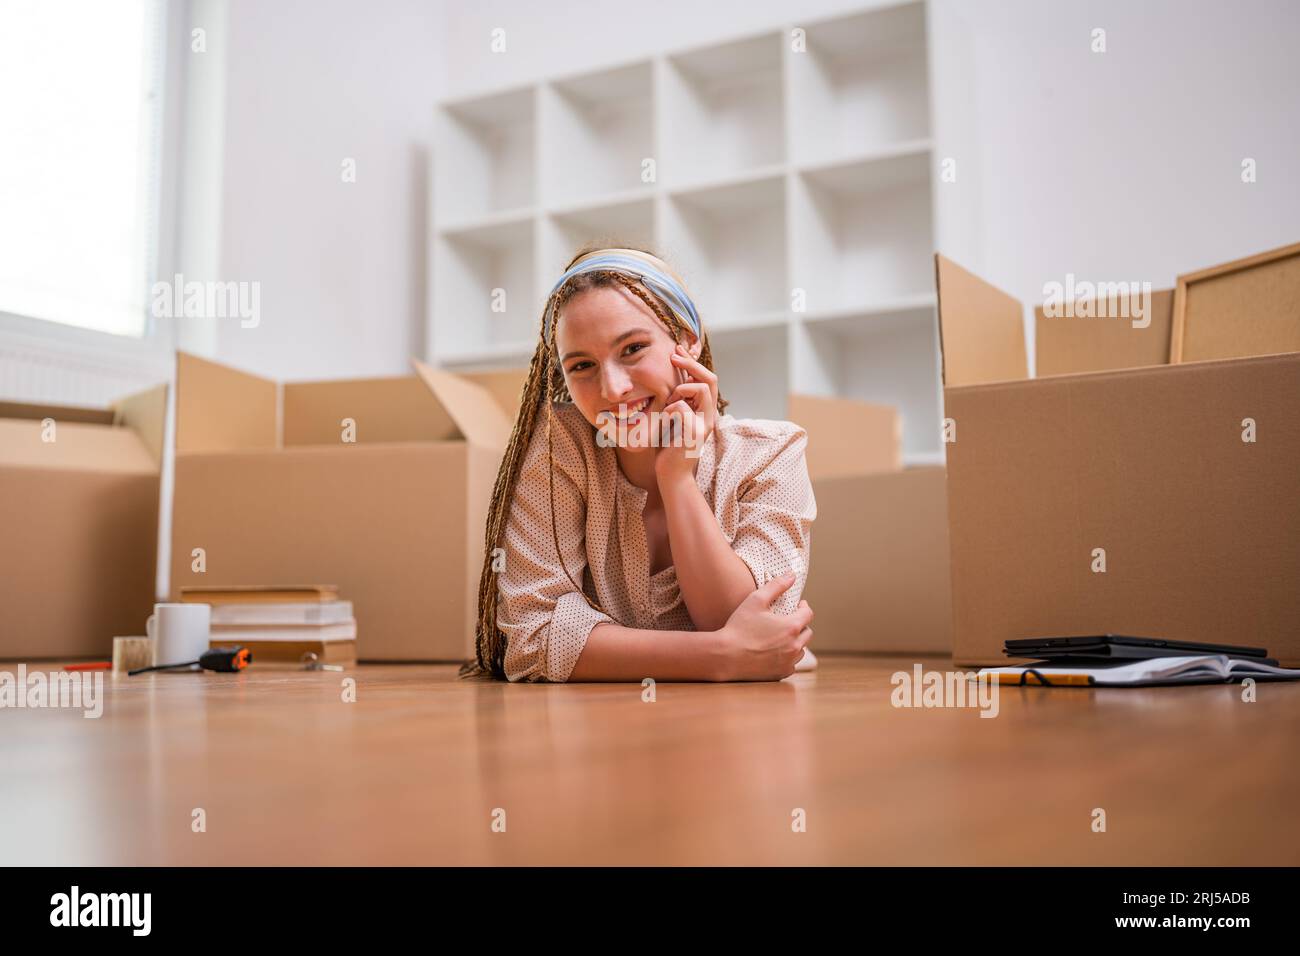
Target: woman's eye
(634,347)
(579,367)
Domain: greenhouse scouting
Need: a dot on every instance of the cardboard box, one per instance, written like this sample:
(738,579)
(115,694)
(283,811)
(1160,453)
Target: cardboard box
(851,438)
(79,513)
(878,579)
(394,517)
(1143,469)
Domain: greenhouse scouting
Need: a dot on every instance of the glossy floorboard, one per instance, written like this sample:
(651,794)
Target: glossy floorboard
(418,768)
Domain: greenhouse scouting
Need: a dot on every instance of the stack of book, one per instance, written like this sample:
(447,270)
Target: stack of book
(281,623)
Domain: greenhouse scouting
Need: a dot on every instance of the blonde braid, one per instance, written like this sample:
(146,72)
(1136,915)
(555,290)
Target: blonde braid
(489,642)
(550,475)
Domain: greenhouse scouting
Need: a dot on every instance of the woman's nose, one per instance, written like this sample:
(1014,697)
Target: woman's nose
(614,383)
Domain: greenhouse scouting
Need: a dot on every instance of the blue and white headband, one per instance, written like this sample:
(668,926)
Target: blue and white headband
(650,270)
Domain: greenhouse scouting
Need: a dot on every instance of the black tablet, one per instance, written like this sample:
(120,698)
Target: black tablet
(1121,646)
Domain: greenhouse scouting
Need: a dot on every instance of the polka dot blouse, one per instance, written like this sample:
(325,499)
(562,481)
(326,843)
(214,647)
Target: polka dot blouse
(752,473)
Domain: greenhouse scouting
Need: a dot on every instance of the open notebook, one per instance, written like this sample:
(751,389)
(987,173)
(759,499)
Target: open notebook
(1210,669)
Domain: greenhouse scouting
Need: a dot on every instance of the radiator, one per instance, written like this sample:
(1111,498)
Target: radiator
(62,373)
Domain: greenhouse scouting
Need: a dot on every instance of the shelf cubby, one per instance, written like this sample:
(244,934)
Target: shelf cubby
(486,156)
(862,231)
(473,263)
(860,84)
(887,356)
(631,221)
(729,243)
(753,370)
(723,111)
(597,131)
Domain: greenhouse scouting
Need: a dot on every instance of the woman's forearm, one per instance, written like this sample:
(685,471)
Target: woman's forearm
(617,653)
(713,578)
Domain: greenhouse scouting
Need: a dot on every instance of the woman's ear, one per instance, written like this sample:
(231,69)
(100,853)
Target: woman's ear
(696,347)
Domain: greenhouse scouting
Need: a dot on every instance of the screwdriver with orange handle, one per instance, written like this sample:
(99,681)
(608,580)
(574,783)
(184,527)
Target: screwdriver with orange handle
(224,659)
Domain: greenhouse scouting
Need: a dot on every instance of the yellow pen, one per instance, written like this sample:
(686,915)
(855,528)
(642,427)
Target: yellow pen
(1032,678)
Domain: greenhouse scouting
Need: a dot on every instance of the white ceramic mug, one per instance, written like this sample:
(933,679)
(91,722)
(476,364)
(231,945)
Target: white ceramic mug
(178,632)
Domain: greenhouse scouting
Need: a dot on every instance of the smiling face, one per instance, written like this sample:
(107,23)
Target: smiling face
(614,352)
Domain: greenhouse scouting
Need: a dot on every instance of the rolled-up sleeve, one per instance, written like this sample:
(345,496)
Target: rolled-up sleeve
(776,511)
(545,621)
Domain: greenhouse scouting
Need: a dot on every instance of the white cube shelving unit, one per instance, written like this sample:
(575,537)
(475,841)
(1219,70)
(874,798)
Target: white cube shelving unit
(789,177)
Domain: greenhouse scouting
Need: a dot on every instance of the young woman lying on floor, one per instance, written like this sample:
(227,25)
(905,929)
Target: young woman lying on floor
(636,530)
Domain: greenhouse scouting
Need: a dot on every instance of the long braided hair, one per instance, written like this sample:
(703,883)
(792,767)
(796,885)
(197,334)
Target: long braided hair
(544,385)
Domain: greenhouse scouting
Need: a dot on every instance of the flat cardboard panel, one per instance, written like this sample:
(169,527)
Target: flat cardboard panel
(472,407)
(1068,344)
(847,437)
(60,413)
(221,409)
(1201,530)
(1247,307)
(384,522)
(878,578)
(506,385)
(76,446)
(383,409)
(145,413)
(981,328)
(77,564)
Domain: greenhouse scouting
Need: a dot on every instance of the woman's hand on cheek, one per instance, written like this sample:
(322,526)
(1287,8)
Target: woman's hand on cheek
(691,412)
(681,435)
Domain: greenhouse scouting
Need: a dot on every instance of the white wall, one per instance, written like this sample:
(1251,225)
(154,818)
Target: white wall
(341,265)
(1124,164)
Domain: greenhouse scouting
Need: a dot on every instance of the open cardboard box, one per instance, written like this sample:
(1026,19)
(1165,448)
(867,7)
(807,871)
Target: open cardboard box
(878,577)
(1146,469)
(79,513)
(269,486)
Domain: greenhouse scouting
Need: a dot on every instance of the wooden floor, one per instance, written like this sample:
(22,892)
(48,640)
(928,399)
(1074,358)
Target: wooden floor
(411,773)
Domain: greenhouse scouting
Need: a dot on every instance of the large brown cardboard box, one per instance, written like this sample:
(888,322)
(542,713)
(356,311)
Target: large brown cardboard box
(269,485)
(78,524)
(1131,501)
(878,576)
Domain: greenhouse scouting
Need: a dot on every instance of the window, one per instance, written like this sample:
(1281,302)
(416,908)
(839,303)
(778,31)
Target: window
(81,122)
